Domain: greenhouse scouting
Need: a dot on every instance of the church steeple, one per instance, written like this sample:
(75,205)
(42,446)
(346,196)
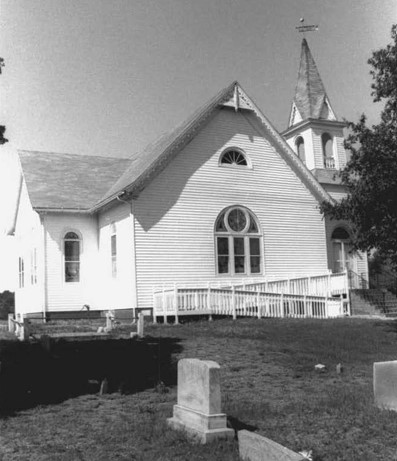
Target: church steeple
(310,100)
(313,131)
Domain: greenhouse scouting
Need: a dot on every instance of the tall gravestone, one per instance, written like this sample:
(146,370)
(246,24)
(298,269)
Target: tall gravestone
(198,411)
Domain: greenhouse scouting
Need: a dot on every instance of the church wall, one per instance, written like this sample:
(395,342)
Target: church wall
(29,238)
(336,191)
(119,291)
(176,213)
(63,295)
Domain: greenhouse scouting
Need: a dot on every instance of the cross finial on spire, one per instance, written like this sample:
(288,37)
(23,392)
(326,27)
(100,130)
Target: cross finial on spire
(303,28)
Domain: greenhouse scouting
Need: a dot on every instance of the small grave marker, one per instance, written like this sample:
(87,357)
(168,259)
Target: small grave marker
(141,321)
(255,447)
(198,410)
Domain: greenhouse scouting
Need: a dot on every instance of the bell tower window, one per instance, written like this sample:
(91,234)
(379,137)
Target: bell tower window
(328,151)
(300,148)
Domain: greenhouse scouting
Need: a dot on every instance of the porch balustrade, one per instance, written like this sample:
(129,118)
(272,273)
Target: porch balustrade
(305,297)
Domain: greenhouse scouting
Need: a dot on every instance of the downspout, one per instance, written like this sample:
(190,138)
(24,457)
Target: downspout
(45,270)
(135,285)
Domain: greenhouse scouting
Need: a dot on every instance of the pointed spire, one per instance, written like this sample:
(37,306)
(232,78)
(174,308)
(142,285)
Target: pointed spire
(310,97)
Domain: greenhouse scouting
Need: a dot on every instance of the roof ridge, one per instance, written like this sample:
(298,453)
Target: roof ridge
(27,151)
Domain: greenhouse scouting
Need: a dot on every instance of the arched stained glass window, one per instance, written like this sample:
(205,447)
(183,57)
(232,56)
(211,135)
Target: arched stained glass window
(233,157)
(238,242)
(72,248)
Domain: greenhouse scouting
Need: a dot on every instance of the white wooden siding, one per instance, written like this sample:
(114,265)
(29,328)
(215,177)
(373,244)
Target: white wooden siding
(175,214)
(29,236)
(119,292)
(72,296)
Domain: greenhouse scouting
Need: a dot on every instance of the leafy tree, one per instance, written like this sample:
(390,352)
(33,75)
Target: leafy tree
(371,174)
(7,304)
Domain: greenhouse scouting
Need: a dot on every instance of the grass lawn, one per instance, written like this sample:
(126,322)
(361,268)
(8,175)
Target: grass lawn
(268,384)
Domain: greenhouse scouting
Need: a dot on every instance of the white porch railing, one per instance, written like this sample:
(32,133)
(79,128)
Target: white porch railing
(318,285)
(237,302)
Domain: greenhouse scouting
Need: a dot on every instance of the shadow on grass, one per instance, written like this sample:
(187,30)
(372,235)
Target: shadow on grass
(41,373)
(237,425)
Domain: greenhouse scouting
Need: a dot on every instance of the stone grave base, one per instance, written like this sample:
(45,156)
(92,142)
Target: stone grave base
(204,428)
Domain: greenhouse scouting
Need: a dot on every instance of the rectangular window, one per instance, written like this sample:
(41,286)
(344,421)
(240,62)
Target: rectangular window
(113,245)
(33,267)
(255,255)
(21,273)
(223,255)
(239,255)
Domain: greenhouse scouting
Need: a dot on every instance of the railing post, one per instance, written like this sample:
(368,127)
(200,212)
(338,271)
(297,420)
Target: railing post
(234,303)
(258,303)
(309,283)
(305,309)
(341,306)
(209,304)
(329,285)
(175,302)
(326,307)
(164,307)
(282,305)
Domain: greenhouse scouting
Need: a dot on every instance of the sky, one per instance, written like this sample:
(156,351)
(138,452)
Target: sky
(101,77)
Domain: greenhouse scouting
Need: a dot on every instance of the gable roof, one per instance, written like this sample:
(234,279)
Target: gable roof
(147,164)
(153,159)
(66,181)
(310,98)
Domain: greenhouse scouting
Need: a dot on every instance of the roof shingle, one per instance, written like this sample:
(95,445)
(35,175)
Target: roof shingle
(310,93)
(66,181)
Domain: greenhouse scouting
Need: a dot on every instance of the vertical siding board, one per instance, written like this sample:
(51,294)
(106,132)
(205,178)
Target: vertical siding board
(176,213)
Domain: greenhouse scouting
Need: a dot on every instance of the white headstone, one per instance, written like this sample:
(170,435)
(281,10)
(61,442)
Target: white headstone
(198,410)
(141,321)
(255,447)
(385,385)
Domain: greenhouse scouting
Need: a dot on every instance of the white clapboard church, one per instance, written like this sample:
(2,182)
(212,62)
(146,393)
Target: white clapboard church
(219,216)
